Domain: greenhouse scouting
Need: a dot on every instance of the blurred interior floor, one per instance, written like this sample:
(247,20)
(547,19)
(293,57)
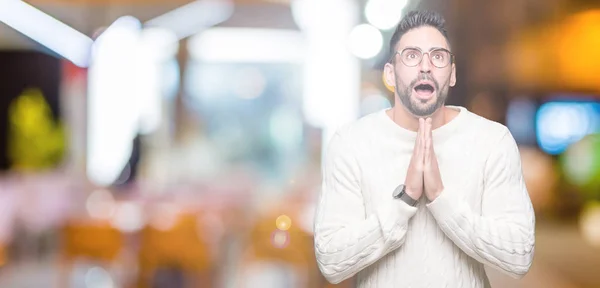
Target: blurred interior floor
(562,260)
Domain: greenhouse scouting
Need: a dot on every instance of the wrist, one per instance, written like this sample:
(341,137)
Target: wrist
(401,194)
(412,194)
(434,195)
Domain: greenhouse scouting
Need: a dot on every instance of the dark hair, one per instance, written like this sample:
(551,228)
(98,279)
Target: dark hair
(416,19)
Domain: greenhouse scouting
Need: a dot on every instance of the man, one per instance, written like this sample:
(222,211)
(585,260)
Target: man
(423,194)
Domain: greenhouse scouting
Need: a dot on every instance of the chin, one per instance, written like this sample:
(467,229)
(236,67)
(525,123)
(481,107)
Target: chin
(420,110)
(421,115)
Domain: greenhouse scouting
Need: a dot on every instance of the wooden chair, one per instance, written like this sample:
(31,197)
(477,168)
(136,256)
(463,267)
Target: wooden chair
(179,246)
(290,246)
(90,240)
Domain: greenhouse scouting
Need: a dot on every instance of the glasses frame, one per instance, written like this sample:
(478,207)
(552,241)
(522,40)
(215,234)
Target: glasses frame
(452,58)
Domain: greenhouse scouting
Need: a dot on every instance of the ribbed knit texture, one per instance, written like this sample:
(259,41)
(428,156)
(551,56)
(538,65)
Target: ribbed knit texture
(484,215)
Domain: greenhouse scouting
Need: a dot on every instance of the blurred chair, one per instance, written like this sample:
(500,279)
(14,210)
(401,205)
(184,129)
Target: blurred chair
(279,243)
(278,256)
(95,241)
(178,248)
(3,256)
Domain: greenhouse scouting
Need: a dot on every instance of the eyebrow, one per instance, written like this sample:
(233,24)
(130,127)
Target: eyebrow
(432,48)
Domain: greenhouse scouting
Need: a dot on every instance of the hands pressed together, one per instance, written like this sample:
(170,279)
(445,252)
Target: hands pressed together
(423,175)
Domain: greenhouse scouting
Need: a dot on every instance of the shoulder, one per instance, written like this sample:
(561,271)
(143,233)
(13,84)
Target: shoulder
(349,142)
(494,138)
(358,130)
(343,148)
(488,131)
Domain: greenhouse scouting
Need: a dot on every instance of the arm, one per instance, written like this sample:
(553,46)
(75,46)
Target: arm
(503,235)
(345,240)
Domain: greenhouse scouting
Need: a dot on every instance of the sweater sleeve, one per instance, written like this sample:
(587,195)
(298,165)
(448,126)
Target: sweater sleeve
(503,236)
(347,241)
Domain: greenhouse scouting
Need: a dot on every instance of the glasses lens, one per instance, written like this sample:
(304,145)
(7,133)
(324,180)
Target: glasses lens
(440,58)
(411,57)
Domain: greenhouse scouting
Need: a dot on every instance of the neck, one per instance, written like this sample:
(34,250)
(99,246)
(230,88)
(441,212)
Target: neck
(408,121)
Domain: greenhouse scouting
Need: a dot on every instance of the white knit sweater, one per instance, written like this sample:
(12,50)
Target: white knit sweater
(484,215)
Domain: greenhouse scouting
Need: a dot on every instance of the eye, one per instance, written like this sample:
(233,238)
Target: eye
(437,56)
(412,55)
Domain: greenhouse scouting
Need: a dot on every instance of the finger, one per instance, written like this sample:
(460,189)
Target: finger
(427,157)
(431,138)
(428,140)
(418,141)
(421,128)
(421,137)
(428,125)
(427,132)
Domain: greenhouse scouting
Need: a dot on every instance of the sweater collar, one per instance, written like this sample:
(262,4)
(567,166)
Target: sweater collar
(439,134)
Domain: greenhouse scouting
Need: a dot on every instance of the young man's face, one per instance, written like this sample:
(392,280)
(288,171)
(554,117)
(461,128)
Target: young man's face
(422,88)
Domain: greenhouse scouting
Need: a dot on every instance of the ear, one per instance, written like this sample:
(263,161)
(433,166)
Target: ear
(389,76)
(453,75)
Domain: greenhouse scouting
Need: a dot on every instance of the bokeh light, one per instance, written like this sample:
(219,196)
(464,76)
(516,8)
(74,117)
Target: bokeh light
(541,177)
(562,123)
(100,204)
(283,222)
(280,239)
(97,277)
(384,14)
(128,217)
(520,119)
(164,216)
(581,164)
(577,55)
(589,223)
(365,41)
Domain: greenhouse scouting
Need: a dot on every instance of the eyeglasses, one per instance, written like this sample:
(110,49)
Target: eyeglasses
(412,56)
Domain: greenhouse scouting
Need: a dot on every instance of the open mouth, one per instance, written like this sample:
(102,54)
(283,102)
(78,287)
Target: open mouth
(424,90)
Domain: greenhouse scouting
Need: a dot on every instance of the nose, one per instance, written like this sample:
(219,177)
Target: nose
(425,63)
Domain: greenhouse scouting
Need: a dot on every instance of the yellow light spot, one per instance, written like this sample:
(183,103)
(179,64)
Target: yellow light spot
(589,223)
(283,222)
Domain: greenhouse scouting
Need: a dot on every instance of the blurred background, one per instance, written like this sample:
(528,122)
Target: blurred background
(149,143)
